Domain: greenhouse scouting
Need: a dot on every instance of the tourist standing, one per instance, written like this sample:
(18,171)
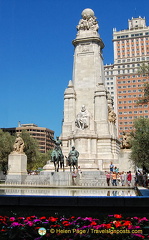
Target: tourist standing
(144,179)
(118,178)
(115,170)
(74,176)
(79,171)
(129,178)
(123,178)
(114,177)
(111,167)
(108,175)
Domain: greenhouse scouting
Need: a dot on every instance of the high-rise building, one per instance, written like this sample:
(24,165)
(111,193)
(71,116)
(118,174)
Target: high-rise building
(131,49)
(41,134)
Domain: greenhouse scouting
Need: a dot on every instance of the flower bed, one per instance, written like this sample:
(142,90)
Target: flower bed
(110,227)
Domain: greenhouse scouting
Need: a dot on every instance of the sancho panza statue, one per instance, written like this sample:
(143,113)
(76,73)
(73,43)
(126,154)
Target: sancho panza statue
(82,120)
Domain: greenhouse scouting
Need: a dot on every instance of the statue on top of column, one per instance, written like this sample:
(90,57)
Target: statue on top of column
(88,21)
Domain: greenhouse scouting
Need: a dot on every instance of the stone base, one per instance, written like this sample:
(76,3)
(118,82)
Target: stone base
(58,179)
(15,179)
(52,179)
(17,168)
(125,163)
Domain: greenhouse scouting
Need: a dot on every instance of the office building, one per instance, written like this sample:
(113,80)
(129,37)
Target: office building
(41,134)
(131,49)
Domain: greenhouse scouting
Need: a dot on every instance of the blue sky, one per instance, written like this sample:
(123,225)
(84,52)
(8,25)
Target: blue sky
(36,53)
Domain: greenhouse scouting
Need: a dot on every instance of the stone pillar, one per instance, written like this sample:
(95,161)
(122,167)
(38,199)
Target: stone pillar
(101,110)
(17,168)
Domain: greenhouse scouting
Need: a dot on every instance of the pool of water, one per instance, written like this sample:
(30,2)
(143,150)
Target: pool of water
(67,192)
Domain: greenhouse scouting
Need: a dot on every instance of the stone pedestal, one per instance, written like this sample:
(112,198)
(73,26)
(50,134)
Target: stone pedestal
(125,163)
(17,168)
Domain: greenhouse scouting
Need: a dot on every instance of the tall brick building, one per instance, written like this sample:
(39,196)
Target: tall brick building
(131,49)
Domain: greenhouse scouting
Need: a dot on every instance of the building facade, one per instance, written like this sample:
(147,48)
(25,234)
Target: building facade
(131,50)
(41,134)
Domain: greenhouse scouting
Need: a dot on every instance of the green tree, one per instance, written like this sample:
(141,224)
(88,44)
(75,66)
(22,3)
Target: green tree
(42,159)
(6,147)
(144,70)
(31,149)
(35,159)
(140,143)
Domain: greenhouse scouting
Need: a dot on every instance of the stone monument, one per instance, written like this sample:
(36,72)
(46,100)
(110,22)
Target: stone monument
(17,163)
(89,120)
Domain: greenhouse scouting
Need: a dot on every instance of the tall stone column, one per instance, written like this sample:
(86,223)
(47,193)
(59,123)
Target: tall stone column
(86,124)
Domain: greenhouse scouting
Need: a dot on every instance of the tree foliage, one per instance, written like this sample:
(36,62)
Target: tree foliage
(31,149)
(144,70)
(35,159)
(6,147)
(140,143)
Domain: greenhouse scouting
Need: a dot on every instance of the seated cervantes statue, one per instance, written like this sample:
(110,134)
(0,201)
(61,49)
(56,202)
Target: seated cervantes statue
(18,146)
(82,120)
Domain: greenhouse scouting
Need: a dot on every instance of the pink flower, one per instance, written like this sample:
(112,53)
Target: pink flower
(29,223)
(143,219)
(11,219)
(138,235)
(136,218)
(16,224)
(134,227)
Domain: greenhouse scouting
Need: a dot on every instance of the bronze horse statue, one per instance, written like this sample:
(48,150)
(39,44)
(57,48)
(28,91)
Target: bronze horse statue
(72,162)
(58,159)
